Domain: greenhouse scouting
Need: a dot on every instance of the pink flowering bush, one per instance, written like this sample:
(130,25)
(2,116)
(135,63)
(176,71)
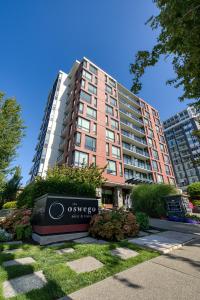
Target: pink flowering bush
(18,223)
(114,225)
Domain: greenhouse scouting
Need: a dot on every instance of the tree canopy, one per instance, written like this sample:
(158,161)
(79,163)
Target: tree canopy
(12,186)
(11,133)
(178,23)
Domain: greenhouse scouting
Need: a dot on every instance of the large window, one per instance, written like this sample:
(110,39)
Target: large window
(112,82)
(78,138)
(110,135)
(87,75)
(113,101)
(155,154)
(116,152)
(92,89)
(91,113)
(80,158)
(93,69)
(160,178)
(111,167)
(114,124)
(90,143)
(108,89)
(83,124)
(109,110)
(80,108)
(155,165)
(167,169)
(85,96)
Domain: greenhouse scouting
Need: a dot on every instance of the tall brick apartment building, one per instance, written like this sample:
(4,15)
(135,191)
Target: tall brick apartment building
(91,118)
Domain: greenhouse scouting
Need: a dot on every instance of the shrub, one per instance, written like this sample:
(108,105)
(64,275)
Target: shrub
(113,225)
(18,223)
(194,190)
(5,236)
(149,198)
(196,202)
(69,181)
(142,220)
(10,204)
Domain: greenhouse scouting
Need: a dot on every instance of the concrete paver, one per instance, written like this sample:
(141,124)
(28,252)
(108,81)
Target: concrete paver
(85,264)
(65,251)
(90,240)
(18,261)
(23,284)
(124,253)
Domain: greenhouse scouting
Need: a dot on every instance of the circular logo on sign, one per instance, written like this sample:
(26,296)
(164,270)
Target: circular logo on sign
(56,210)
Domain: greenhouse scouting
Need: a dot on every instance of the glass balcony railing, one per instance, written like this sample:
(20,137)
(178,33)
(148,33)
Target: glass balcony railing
(137,164)
(134,137)
(130,106)
(132,126)
(130,98)
(135,150)
(131,115)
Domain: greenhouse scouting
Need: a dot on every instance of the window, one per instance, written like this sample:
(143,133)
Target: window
(112,82)
(167,169)
(80,108)
(155,154)
(151,133)
(157,128)
(83,83)
(109,110)
(93,69)
(95,102)
(107,121)
(116,113)
(111,167)
(92,89)
(155,165)
(95,80)
(116,152)
(166,159)
(83,124)
(95,128)
(150,142)
(107,149)
(106,97)
(120,169)
(162,147)
(85,63)
(108,89)
(77,138)
(118,138)
(110,135)
(94,160)
(162,139)
(87,75)
(80,158)
(91,113)
(113,101)
(85,96)
(90,143)
(114,124)
(160,178)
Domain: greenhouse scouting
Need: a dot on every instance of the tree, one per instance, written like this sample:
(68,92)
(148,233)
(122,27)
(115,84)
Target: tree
(194,190)
(11,133)
(179,38)
(12,186)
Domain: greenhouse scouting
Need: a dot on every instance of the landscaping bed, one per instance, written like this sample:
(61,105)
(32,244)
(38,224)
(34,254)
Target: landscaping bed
(61,280)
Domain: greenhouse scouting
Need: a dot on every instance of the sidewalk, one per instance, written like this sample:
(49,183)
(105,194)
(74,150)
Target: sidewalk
(175,226)
(172,276)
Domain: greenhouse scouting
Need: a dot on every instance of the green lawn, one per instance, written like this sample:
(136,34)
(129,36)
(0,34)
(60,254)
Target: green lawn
(61,279)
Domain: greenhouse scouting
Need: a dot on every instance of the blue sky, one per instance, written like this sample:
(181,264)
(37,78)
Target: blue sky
(38,38)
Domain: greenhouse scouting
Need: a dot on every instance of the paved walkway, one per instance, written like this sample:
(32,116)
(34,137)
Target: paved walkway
(176,226)
(172,276)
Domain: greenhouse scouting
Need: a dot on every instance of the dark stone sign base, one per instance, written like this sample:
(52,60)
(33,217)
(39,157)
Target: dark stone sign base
(51,229)
(54,238)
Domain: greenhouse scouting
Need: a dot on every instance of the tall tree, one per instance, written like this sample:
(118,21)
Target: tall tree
(11,133)
(179,25)
(12,186)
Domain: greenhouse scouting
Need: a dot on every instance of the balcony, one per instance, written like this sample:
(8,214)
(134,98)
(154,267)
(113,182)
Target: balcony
(131,116)
(137,141)
(129,98)
(129,106)
(133,127)
(132,149)
(137,165)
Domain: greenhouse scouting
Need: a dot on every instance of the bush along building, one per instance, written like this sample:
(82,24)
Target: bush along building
(183,146)
(91,118)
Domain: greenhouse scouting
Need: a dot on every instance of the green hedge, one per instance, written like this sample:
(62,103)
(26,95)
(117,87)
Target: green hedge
(148,198)
(10,204)
(53,186)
